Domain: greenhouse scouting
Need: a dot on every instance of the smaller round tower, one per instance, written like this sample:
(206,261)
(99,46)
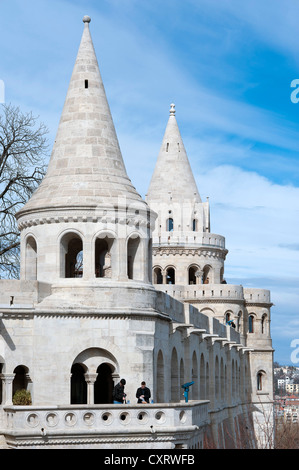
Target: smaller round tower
(185,252)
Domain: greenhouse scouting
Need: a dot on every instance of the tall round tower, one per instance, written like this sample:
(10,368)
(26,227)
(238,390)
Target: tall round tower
(86,222)
(185,252)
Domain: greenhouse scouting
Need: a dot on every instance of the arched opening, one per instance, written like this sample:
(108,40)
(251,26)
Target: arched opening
(169,225)
(78,385)
(193,275)
(103,386)
(260,377)
(263,323)
(150,259)
(20,380)
(170,276)
(31,259)
(239,321)
(202,381)
(233,379)
(251,324)
(158,277)
(160,378)
(174,377)
(71,256)
(217,385)
(226,384)
(182,373)
(103,257)
(222,380)
(206,276)
(134,261)
(207,381)
(195,387)
(194,225)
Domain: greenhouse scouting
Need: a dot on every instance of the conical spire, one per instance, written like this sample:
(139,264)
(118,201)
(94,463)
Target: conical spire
(86,168)
(172,176)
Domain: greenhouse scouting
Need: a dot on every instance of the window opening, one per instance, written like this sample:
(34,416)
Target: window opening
(169,225)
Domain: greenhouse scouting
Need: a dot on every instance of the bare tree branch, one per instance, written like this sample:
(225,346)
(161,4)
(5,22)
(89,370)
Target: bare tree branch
(23,149)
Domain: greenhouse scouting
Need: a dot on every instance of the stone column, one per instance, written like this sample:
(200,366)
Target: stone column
(7,381)
(90,380)
(144,256)
(88,260)
(122,260)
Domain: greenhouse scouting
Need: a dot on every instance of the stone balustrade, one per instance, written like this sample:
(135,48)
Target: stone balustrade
(38,422)
(203,291)
(190,239)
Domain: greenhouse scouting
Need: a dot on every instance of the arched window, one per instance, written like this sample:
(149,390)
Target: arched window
(250,324)
(217,385)
(158,278)
(103,257)
(259,380)
(103,386)
(206,277)
(170,276)
(202,393)
(78,385)
(194,225)
(134,261)
(222,380)
(31,259)
(193,275)
(175,386)
(71,256)
(239,321)
(160,378)
(169,225)
(195,386)
(21,379)
(264,318)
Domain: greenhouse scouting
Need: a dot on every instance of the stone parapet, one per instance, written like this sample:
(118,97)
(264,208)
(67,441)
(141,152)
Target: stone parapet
(204,292)
(106,425)
(189,239)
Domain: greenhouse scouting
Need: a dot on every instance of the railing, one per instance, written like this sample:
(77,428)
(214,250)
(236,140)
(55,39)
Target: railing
(37,421)
(203,291)
(189,239)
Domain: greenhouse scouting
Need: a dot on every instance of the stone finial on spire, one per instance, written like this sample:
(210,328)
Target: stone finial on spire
(86,19)
(172,110)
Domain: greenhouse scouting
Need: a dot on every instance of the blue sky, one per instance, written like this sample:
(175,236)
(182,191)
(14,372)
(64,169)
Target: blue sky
(228,67)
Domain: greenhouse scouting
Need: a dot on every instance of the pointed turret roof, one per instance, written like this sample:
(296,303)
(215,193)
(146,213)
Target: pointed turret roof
(172,175)
(86,168)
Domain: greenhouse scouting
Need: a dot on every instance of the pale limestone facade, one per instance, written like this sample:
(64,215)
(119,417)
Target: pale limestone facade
(111,288)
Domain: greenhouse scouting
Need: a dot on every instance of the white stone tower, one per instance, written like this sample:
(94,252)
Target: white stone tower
(185,252)
(188,264)
(86,233)
(86,203)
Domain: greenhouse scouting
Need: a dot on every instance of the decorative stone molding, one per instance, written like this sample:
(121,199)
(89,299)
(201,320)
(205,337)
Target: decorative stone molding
(201,252)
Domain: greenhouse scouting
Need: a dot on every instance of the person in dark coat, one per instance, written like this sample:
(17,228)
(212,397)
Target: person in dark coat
(119,395)
(143,393)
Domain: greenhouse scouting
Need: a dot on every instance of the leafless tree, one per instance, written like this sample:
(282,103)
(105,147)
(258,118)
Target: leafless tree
(23,149)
